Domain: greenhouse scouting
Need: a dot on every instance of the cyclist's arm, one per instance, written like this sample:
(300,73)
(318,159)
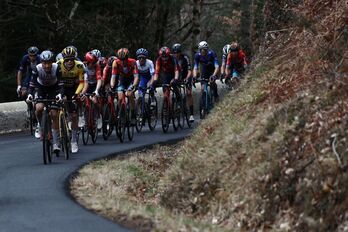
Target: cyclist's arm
(157,70)
(189,72)
(177,68)
(136,75)
(60,81)
(99,77)
(114,75)
(223,64)
(81,78)
(195,66)
(21,70)
(228,64)
(216,64)
(33,82)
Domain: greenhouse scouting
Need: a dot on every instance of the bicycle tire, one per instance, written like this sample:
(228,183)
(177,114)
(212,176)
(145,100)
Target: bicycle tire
(85,134)
(107,127)
(176,113)
(186,113)
(202,106)
(121,127)
(152,114)
(46,143)
(139,115)
(165,119)
(65,138)
(130,126)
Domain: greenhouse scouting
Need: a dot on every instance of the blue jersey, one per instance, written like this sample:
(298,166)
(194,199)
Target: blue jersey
(208,63)
(26,66)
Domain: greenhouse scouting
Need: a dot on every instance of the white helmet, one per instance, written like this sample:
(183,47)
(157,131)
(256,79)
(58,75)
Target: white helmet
(97,53)
(226,49)
(59,56)
(203,45)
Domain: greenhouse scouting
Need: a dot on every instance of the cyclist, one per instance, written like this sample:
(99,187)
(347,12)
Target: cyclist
(225,52)
(125,73)
(107,73)
(26,66)
(145,68)
(210,66)
(185,74)
(167,66)
(46,78)
(236,59)
(94,82)
(73,75)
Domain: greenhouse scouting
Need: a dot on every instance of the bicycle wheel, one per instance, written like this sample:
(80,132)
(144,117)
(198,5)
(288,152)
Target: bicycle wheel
(93,130)
(139,115)
(176,113)
(46,141)
(65,137)
(107,127)
(84,130)
(121,125)
(202,106)
(165,116)
(130,126)
(152,114)
(185,113)
(31,116)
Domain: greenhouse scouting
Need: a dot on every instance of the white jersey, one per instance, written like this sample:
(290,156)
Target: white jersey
(44,78)
(147,70)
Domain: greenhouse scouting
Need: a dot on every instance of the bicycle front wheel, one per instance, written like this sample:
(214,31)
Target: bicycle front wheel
(152,112)
(65,137)
(165,116)
(139,115)
(176,113)
(121,125)
(46,141)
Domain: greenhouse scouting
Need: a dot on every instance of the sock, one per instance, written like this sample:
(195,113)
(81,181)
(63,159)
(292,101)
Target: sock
(55,136)
(73,136)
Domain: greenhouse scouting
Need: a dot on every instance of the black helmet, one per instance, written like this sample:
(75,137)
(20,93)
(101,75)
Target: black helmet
(33,50)
(176,48)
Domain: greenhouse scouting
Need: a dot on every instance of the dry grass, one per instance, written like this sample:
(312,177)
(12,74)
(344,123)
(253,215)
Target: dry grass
(268,157)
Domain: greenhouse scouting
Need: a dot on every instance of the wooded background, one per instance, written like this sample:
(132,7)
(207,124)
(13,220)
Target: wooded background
(108,25)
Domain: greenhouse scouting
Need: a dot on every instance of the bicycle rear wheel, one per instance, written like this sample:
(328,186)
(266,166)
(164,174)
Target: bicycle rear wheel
(46,141)
(152,112)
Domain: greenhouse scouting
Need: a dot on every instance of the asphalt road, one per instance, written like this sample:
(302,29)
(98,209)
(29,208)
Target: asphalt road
(34,197)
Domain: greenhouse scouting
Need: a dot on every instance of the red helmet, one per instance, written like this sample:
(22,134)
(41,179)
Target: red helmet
(123,53)
(90,58)
(164,52)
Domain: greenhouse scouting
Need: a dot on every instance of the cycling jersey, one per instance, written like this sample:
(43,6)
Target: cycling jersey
(93,74)
(236,60)
(209,62)
(184,66)
(147,70)
(124,69)
(27,67)
(169,66)
(48,84)
(73,78)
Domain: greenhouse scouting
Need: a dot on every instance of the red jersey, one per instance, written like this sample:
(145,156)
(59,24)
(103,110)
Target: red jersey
(169,66)
(239,59)
(125,68)
(93,74)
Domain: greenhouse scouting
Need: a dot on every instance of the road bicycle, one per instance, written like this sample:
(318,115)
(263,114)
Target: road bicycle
(146,110)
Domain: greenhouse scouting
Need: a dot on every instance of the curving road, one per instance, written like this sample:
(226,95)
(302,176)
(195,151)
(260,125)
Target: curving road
(33,196)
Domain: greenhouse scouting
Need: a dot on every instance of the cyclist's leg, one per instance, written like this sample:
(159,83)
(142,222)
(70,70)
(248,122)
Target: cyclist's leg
(189,98)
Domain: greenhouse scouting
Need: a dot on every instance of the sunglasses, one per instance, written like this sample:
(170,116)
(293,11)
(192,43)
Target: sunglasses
(69,60)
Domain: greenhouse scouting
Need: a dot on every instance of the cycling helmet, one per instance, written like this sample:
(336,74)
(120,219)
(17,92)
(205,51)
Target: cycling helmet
(73,47)
(203,45)
(33,50)
(234,47)
(164,51)
(226,49)
(91,58)
(96,52)
(59,56)
(69,53)
(111,60)
(176,48)
(46,56)
(123,53)
(142,52)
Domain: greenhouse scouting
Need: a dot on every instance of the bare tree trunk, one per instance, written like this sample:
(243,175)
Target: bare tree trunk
(196,25)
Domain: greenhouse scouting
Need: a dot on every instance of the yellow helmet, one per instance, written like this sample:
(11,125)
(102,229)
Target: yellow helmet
(69,53)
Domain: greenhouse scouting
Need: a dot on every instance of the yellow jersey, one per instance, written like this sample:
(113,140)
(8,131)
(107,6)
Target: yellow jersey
(73,77)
